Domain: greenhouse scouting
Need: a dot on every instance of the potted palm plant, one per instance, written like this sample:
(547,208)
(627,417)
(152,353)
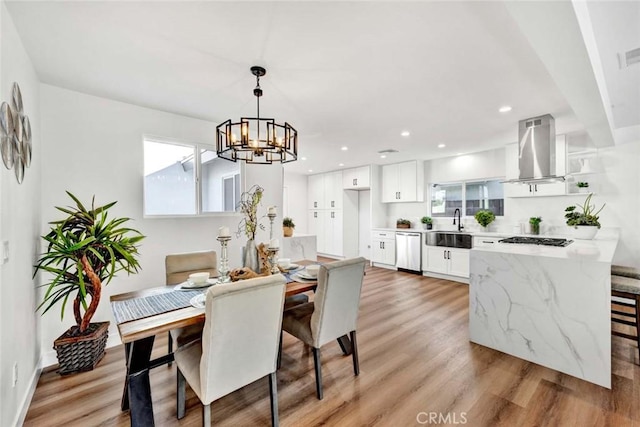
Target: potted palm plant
(85,250)
(584,219)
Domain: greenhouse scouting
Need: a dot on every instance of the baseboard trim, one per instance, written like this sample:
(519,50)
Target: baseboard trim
(26,400)
(446,276)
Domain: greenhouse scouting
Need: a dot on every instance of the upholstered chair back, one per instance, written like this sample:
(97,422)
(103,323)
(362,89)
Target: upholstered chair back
(178,267)
(337,300)
(241,334)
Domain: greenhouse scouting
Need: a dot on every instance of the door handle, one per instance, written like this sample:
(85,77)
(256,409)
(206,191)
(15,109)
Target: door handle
(332,214)
(315,204)
(382,243)
(355,181)
(444,254)
(315,214)
(535,188)
(333,204)
(448,254)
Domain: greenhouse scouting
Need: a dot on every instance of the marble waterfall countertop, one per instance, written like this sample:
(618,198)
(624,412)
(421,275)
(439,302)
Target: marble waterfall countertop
(547,305)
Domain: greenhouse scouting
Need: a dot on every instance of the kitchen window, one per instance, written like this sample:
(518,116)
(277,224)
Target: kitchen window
(469,197)
(187,179)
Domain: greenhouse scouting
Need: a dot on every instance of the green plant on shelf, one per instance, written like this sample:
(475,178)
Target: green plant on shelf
(582,184)
(585,214)
(426,220)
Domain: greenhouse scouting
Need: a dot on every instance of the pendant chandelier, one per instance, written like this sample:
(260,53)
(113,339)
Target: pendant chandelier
(254,139)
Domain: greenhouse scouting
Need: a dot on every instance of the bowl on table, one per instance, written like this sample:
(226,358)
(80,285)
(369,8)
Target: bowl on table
(312,270)
(198,279)
(284,263)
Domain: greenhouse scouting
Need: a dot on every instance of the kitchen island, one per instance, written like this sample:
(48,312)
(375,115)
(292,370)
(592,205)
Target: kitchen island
(547,305)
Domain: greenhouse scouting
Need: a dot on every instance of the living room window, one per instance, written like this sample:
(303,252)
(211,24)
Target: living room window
(469,197)
(187,179)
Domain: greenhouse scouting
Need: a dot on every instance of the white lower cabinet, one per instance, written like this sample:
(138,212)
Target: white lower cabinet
(451,261)
(383,247)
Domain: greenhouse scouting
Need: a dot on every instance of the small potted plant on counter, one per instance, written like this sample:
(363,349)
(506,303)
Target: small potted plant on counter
(583,187)
(585,223)
(427,222)
(403,223)
(485,218)
(287,226)
(535,221)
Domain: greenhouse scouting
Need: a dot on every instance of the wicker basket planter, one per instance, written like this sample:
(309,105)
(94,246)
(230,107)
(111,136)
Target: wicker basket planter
(81,353)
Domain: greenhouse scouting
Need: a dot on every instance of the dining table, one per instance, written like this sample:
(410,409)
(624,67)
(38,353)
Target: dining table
(138,335)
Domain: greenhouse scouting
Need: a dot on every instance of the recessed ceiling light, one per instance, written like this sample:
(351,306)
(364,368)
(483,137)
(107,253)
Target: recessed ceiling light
(459,154)
(310,170)
(405,133)
(344,148)
(383,156)
(303,158)
(505,109)
(441,145)
(341,164)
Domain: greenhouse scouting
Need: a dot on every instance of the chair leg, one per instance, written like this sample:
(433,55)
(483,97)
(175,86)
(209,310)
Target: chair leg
(206,415)
(354,353)
(181,394)
(279,363)
(638,322)
(273,395)
(316,363)
(170,347)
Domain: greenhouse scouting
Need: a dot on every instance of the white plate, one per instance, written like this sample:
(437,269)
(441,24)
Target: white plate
(187,285)
(198,301)
(303,276)
(291,267)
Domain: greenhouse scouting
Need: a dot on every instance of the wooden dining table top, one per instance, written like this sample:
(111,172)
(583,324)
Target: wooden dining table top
(163,322)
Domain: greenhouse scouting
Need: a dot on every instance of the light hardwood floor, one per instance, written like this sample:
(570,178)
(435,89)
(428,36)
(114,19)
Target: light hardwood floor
(415,359)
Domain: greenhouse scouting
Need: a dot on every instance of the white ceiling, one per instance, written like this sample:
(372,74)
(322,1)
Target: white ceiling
(351,74)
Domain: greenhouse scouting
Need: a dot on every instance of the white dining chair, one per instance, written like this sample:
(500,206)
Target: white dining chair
(178,267)
(239,343)
(332,314)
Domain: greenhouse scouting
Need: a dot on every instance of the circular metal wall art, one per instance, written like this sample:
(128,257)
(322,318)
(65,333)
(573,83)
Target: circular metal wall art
(15,134)
(16,98)
(19,168)
(6,119)
(6,147)
(26,141)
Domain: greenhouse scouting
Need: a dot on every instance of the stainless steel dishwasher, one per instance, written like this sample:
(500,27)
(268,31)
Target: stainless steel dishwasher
(408,250)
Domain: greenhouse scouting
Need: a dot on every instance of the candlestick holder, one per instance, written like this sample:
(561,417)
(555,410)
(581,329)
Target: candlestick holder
(273,252)
(224,259)
(271,216)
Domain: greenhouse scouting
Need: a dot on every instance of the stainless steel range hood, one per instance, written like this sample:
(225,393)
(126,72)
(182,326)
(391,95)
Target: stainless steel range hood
(537,151)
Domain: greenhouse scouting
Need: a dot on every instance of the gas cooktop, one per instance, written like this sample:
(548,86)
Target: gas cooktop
(537,241)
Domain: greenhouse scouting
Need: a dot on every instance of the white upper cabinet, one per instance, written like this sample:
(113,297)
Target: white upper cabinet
(315,192)
(356,178)
(403,182)
(533,190)
(325,191)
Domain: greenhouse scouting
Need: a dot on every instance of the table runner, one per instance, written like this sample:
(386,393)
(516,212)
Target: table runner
(139,308)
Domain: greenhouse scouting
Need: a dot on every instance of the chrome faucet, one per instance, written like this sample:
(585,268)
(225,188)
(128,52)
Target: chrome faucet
(460,226)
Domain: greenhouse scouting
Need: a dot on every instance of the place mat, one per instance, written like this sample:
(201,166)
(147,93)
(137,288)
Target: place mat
(139,308)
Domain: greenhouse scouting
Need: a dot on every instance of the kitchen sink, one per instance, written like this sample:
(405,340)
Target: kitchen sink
(449,239)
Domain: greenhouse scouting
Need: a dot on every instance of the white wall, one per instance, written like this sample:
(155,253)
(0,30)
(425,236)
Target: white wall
(94,146)
(20,226)
(296,208)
